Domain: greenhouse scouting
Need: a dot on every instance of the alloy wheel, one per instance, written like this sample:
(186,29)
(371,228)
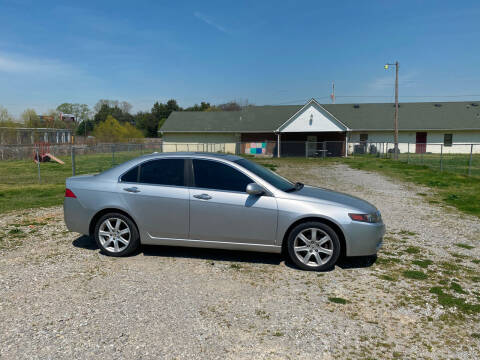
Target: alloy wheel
(313,247)
(114,235)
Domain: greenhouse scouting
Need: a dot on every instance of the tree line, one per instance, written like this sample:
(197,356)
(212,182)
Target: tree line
(109,120)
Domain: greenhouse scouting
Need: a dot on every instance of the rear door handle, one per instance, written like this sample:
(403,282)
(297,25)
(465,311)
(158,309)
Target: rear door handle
(202,196)
(132,189)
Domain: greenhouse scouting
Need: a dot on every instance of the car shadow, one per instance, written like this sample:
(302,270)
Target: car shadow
(212,254)
(86,242)
(356,262)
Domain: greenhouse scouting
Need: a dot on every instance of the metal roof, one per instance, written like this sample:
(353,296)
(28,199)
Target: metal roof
(463,115)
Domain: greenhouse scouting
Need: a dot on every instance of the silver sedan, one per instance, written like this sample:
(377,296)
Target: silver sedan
(219,201)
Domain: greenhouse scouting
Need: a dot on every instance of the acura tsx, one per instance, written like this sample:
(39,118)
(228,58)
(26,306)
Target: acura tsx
(219,201)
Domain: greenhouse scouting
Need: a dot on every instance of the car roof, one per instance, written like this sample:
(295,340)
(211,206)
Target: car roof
(122,168)
(228,157)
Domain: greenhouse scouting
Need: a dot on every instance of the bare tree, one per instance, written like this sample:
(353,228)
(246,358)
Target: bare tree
(5,116)
(122,105)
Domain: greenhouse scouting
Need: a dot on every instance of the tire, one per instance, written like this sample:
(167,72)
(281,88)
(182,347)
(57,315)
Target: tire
(313,255)
(121,238)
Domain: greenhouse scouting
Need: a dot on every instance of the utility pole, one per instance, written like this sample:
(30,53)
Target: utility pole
(395,124)
(332,95)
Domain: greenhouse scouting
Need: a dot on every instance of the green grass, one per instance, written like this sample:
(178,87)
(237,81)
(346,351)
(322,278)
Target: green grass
(415,274)
(20,189)
(458,190)
(457,288)
(338,300)
(423,263)
(412,250)
(448,300)
(465,246)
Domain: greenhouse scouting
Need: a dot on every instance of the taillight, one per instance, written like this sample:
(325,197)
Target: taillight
(69,193)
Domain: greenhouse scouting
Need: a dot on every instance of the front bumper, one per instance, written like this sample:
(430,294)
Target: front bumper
(363,239)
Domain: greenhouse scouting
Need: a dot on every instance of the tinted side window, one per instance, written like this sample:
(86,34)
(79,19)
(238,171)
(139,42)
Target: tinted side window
(214,175)
(131,175)
(163,172)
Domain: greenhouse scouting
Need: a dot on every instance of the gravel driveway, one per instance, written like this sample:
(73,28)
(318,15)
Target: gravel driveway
(60,298)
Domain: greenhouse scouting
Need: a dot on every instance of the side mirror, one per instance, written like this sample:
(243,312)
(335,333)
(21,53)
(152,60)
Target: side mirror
(255,189)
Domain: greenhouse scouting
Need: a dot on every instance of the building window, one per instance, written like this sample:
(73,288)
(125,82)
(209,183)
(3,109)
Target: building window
(363,137)
(447,139)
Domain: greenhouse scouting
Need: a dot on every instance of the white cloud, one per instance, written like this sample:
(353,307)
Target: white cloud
(388,81)
(15,64)
(210,22)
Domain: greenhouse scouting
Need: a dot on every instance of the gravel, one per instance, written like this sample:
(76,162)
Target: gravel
(60,298)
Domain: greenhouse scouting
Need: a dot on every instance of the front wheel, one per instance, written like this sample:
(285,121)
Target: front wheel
(313,246)
(116,235)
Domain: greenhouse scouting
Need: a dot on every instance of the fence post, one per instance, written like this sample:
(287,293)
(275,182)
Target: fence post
(113,154)
(470,160)
(441,157)
(38,166)
(306,149)
(408,153)
(421,155)
(73,160)
(386,150)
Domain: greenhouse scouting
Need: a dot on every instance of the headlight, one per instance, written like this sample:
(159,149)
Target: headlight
(370,218)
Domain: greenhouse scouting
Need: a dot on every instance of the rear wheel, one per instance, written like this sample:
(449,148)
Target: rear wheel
(116,235)
(313,246)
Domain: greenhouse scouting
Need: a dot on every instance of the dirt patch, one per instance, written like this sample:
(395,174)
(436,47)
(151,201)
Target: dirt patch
(60,298)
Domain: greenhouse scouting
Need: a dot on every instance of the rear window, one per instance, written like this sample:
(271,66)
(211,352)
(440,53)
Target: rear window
(163,172)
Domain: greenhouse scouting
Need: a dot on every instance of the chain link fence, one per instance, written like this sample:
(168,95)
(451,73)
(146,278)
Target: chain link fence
(461,159)
(19,165)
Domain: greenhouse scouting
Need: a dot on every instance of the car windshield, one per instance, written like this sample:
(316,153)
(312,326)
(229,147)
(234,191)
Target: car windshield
(267,175)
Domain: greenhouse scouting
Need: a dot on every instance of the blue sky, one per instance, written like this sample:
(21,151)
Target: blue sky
(266,52)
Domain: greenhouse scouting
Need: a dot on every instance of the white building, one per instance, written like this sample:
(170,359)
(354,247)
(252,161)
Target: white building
(296,129)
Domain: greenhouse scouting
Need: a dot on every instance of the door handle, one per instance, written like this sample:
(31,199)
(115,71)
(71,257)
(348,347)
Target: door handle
(132,189)
(202,196)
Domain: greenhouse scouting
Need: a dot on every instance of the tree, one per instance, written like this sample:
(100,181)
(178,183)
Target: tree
(6,120)
(31,119)
(148,123)
(126,107)
(204,106)
(230,106)
(81,128)
(163,111)
(111,130)
(81,111)
(116,112)
(122,105)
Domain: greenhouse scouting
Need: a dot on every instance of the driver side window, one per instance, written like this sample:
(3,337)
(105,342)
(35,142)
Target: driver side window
(217,176)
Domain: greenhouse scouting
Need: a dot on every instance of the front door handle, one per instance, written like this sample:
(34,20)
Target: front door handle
(202,196)
(132,189)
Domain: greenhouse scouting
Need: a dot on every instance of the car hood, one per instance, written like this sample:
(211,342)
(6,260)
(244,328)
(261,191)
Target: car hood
(315,194)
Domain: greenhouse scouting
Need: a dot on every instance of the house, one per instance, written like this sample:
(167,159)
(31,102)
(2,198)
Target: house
(294,130)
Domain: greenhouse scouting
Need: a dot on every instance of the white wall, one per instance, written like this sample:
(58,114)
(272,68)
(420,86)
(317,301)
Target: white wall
(210,142)
(461,140)
(312,119)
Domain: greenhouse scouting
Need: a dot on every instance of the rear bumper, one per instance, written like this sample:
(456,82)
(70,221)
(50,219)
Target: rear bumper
(76,216)
(364,239)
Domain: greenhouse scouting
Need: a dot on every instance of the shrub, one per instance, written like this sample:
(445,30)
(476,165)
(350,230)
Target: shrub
(111,130)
